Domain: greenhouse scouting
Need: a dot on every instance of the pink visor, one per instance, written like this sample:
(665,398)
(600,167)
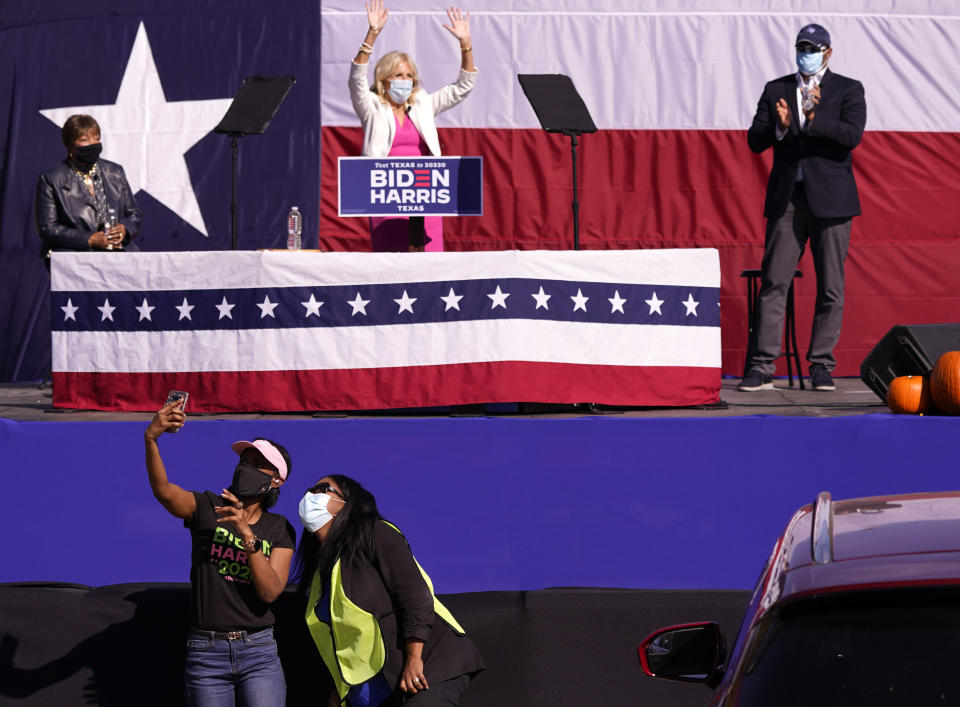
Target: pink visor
(269,452)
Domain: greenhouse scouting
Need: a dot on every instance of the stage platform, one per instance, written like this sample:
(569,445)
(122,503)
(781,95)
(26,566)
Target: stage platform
(33,402)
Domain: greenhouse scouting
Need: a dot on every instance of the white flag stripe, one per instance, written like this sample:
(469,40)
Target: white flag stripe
(92,272)
(660,70)
(386,346)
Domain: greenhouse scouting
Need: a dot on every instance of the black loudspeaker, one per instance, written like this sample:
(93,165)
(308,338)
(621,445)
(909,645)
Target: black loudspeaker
(907,350)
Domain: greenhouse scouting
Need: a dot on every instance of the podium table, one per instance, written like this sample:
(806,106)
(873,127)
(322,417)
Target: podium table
(298,331)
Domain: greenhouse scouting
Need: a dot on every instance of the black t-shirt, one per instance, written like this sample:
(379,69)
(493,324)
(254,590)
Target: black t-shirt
(224,598)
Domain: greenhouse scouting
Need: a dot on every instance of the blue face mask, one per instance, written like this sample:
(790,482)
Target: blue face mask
(809,64)
(400,90)
(313,511)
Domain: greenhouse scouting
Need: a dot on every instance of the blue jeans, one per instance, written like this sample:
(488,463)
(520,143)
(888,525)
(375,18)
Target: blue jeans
(244,671)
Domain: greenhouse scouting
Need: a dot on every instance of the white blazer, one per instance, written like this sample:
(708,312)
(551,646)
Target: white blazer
(379,126)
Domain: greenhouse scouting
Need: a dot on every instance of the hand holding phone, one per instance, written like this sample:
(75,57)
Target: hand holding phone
(173,396)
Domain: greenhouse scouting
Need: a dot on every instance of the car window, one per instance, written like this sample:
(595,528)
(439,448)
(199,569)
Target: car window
(877,648)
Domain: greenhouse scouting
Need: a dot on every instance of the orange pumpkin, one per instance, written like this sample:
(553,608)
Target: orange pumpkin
(945,383)
(909,395)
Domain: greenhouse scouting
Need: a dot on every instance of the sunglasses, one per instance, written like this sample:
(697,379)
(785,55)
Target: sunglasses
(807,48)
(325,487)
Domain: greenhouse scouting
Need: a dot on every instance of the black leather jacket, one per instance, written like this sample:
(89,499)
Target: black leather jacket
(66,212)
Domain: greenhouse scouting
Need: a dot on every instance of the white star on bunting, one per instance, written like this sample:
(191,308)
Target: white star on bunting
(579,301)
(149,135)
(106,311)
(405,303)
(452,301)
(145,310)
(655,304)
(267,307)
(185,310)
(498,298)
(225,309)
(69,312)
(690,305)
(542,299)
(616,303)
(359,305)
(312,306)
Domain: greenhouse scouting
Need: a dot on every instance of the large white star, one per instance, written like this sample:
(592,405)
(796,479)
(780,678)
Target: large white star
(70,311)
(542,298)
(452,301)
(655,304)
(690,305)
(579,301)
(498,298)
(405,303)
(149,136)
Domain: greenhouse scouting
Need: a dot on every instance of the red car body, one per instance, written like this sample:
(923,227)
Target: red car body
(858,604)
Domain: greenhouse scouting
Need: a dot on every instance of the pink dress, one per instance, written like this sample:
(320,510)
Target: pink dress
(392,235)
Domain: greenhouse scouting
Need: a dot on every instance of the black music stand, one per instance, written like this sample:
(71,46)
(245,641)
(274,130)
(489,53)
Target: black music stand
(254,106)
(560,109)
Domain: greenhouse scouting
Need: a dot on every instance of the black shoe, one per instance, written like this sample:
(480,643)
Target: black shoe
(755,381)
(820,378)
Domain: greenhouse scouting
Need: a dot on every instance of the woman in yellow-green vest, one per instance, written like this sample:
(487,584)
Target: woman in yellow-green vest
(381,632)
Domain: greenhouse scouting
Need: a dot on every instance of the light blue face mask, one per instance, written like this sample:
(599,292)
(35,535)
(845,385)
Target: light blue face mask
(313,511)
(809,64)
(400,90)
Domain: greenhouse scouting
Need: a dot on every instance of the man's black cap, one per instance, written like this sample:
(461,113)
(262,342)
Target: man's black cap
(815,34)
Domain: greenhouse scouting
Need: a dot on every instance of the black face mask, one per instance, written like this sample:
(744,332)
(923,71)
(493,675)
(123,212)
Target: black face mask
(87,154)
(249,481)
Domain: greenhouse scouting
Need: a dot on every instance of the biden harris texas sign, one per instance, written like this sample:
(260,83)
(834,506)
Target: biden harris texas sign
(410,186)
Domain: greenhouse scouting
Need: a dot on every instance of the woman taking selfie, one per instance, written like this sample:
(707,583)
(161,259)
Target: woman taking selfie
(398,116)
(395,642)
(240,564)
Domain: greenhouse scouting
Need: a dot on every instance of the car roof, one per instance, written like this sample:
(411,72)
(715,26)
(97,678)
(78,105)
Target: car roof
(880,541)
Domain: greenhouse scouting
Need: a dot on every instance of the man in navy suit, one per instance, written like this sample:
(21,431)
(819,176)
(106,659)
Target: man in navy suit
(813,119)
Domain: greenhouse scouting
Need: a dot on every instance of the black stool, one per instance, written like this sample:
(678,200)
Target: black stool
(790,349)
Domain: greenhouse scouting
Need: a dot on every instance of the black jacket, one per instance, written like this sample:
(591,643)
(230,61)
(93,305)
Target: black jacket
(66,212)
(823,147)
(390,586)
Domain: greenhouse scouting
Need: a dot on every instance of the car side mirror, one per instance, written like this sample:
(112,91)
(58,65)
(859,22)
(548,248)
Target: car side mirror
(688,653)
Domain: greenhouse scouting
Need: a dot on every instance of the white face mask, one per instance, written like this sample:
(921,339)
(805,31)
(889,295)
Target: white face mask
(400,90)
(313,511)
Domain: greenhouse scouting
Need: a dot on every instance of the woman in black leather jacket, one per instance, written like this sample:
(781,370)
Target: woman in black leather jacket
(76,196)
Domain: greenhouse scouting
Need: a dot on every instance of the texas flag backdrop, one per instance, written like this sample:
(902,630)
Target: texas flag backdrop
(672,87)
(158,77)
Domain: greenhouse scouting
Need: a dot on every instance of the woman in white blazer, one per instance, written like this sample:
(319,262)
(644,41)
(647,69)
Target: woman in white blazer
(399,118)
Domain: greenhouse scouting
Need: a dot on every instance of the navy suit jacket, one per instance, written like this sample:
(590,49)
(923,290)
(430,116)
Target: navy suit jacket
(823,147)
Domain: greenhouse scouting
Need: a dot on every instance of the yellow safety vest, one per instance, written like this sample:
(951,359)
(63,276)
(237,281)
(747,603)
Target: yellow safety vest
(351,645)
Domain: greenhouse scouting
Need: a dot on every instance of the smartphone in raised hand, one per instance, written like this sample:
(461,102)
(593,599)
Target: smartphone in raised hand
(174,395)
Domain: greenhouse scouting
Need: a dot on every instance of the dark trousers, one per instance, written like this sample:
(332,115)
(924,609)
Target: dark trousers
(785,240)
(440,694)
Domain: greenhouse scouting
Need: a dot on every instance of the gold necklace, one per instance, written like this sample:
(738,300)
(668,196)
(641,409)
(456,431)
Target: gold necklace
(85,177)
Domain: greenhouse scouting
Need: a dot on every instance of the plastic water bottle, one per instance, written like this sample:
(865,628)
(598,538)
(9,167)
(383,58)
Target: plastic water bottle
(111,223)
(294,228)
